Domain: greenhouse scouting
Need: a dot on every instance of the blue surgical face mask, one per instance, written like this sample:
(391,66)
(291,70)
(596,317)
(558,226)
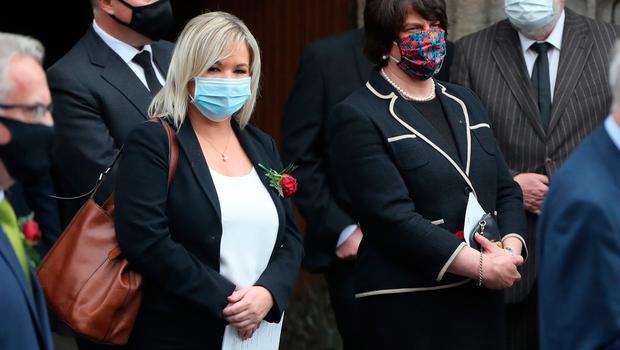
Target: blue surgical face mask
(529,16)
(219,98)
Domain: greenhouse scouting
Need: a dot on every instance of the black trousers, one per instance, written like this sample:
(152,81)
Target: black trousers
(340,281)
(522,323)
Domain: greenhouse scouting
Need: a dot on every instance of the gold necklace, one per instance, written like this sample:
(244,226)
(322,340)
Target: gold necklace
(223,153)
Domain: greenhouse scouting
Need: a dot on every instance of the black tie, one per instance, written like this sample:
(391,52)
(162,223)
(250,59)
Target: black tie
(541,81)
(143,59)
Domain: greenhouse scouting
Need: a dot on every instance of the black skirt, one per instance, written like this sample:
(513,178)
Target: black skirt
(464,317)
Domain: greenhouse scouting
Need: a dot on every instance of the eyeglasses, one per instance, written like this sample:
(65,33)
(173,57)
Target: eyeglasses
(37,110)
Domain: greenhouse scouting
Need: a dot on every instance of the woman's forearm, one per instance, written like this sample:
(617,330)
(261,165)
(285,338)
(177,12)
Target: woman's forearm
(466,263)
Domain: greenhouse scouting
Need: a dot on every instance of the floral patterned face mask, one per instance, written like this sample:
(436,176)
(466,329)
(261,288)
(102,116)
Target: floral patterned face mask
(422,53)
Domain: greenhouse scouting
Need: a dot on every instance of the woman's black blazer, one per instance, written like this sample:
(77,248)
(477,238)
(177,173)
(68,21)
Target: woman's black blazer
(409,190)
(172,237)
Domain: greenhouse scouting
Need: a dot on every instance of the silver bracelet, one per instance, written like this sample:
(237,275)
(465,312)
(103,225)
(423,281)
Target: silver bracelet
(479,283)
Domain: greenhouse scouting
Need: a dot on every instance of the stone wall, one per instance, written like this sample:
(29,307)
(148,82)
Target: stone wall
(468,16)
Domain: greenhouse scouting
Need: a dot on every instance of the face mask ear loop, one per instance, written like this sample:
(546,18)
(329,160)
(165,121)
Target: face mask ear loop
(394,58)
(193,98)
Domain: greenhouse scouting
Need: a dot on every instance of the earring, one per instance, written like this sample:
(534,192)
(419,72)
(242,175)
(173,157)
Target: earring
(384,57)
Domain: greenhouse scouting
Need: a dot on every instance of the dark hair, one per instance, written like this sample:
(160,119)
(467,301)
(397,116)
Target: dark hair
(384,19)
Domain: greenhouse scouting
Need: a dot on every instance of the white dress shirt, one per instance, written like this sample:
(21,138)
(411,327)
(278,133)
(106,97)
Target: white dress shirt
(345,234)
(555,39)
(127,53)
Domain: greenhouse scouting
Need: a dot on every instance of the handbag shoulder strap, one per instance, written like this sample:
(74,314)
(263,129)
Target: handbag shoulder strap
(173,147)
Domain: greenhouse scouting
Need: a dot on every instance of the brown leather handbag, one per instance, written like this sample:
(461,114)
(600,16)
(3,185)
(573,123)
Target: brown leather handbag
(86,280)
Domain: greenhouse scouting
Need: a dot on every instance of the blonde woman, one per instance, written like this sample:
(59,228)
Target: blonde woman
(219,247)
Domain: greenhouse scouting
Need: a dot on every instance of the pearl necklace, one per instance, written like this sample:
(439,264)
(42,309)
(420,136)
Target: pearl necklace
(407,96)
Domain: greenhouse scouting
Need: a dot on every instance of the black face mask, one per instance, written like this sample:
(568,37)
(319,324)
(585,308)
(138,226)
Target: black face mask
(153,21)
(27,155)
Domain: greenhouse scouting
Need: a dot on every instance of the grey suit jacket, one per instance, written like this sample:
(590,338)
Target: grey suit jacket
(491,63)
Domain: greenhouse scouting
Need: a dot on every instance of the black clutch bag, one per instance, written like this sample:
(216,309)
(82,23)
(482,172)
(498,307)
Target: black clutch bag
(487,227)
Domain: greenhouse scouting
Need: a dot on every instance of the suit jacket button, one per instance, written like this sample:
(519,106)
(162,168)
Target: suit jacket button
(548,161)
(467,190)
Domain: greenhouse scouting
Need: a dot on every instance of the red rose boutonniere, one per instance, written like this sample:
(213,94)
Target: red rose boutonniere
(282,181)
(31,235)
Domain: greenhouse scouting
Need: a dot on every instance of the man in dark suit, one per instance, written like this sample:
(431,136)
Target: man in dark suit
(330,69)
(540,107)
(579,251)
(102,88)
(24,322)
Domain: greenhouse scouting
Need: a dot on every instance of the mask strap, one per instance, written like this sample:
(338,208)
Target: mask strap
(193,98)
(127,4)
(392,57)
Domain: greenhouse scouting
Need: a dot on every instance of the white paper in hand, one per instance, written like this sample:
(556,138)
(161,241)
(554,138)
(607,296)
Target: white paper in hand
(473,214)
(266,337)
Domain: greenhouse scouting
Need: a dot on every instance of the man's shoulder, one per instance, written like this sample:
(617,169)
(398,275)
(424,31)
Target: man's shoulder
(602,34)
(597,27)
(482,37)
(335,43)
(164,45)
(76,59)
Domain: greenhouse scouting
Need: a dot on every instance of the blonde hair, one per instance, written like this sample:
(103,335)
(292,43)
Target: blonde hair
(203,42)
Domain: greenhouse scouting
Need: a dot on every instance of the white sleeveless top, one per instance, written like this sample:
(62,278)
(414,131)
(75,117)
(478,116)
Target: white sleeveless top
(249,227)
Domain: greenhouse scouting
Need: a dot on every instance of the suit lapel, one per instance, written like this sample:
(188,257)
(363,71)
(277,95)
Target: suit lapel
(458,118)
(258,156)
(161,56)
(7,253)
(191,147)
(413,121)
(188,142)
(116,72)
(573,57)
(509,59)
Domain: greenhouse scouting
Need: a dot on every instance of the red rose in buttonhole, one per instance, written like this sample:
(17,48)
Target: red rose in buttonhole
(31,231)
(289,185)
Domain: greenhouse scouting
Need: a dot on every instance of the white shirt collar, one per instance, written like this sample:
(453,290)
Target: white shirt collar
(555,38)
(613,129)
(124,50)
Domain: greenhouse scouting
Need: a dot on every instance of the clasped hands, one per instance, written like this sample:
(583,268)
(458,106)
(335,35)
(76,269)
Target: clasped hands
(246,308)
(499,267)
